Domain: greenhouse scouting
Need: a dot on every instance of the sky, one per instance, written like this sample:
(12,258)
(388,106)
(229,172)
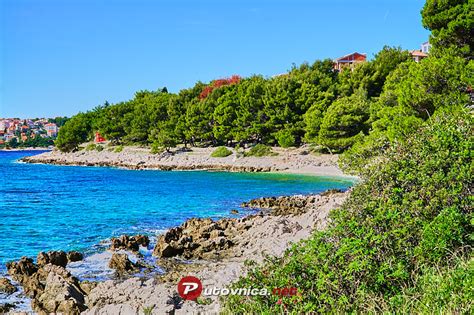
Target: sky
(60,57)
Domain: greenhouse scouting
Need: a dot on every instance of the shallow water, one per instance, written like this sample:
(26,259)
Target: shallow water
(46,207)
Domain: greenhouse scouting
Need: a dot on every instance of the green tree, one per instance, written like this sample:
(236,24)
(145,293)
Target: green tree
(452,25)
(163,136)
(344,122)
(75,131)
(111,123)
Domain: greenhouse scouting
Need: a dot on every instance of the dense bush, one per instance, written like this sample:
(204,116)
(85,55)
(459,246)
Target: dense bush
(410,214)
(286,139)
(90,147)
(260,150)
(221,152)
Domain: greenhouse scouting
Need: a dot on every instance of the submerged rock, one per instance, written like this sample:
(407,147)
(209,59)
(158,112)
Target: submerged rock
(6,286)
(131,243)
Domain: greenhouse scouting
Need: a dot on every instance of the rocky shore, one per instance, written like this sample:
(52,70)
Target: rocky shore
(298,160)
(213,251)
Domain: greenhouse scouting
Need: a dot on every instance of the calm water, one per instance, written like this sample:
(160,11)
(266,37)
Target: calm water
(45,207)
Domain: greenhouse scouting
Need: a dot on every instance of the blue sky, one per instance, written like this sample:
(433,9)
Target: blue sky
(59,57)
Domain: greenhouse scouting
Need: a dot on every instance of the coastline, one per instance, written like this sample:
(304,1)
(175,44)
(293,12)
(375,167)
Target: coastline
(280,222)
(295,161)
(214,251)
(25,149)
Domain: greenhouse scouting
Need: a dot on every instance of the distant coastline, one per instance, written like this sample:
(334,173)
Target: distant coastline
(25,149)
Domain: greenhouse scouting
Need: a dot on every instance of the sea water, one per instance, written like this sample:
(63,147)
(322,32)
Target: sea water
(50,207)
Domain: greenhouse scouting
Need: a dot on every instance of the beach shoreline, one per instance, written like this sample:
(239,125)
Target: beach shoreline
(291,161)
(232,241)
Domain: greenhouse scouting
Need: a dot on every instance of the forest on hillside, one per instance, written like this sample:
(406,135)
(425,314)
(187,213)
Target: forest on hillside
(380,101)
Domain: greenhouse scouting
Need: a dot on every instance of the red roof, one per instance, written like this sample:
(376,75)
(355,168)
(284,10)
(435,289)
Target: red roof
(418,53)
(352,57)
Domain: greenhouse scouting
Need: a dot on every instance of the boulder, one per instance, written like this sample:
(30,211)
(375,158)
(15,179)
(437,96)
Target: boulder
(73,256)
(131,243)
(87,286)
(62,294)
(58,258)
(122,264)
(6,286)
(51,287)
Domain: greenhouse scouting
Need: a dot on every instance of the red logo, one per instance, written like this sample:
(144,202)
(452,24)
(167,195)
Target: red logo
(189,288)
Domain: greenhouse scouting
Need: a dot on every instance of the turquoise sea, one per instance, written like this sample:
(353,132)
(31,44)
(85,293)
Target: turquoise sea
(46,207)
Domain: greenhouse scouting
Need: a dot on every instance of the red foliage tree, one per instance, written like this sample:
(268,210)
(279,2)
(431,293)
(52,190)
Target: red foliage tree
(217,84)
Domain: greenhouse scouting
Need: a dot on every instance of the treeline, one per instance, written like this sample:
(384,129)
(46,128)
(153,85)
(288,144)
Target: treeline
(36,142)
(378,102)
(313,103)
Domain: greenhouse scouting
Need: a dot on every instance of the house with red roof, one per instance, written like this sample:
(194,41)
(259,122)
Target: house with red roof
(350,61)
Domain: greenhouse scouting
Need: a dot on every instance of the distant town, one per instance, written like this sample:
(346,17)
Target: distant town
(30,132)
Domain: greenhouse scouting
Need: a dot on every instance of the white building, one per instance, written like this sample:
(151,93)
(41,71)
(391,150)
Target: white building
(426,47)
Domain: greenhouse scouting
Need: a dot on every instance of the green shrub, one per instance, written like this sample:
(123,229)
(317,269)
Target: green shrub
(99,148)
(221,152)
(90,147)
(119,149)
(260,150)
(286,139)
(403,222)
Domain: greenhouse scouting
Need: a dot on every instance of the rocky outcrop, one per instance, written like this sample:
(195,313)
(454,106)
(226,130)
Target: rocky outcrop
(58,258)
(208,239)
(61,293)
(218,250)
(131,243)
(201,238)
(22,270)
(50,286)
(122,264)
(287,205)
(6,286)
